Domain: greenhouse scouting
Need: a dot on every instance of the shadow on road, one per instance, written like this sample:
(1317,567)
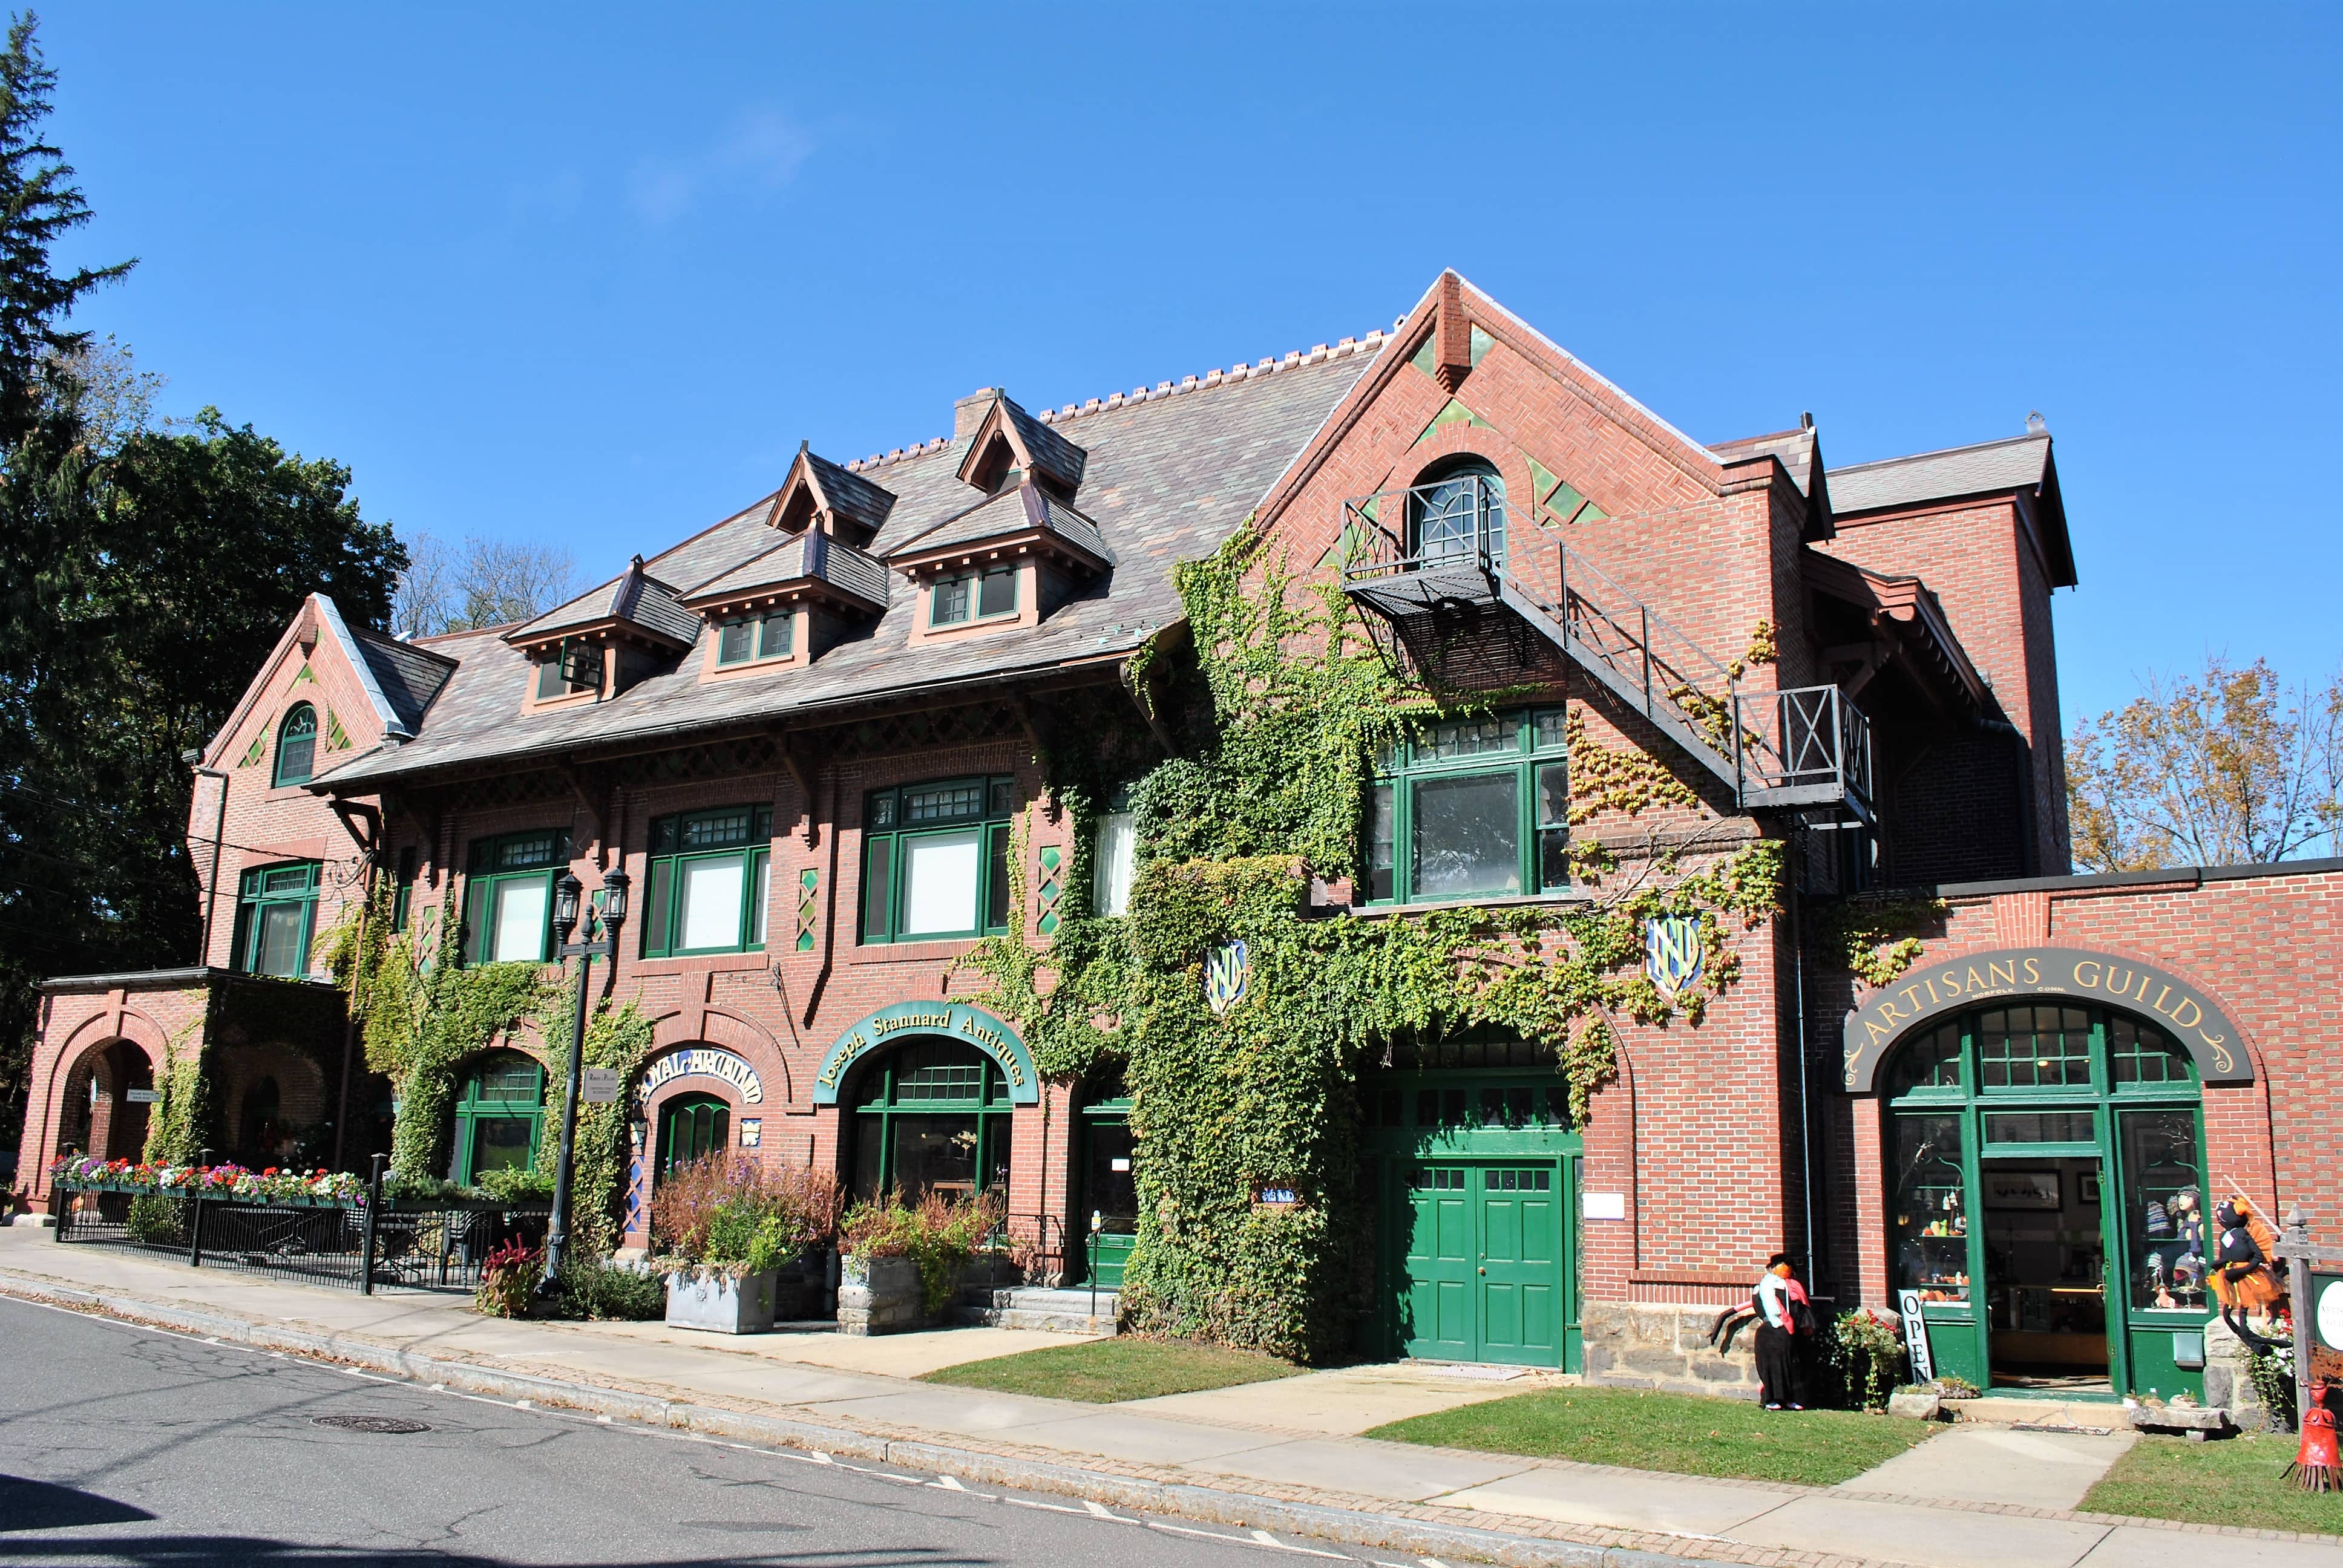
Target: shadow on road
(45,1505)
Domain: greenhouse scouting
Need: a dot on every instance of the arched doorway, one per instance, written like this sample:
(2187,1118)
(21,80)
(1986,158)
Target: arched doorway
(499,1116)
(690,1127)
(930,1115)
(108,1093)
(2046,1204)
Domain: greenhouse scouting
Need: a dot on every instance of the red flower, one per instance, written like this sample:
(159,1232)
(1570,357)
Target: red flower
(270,1171)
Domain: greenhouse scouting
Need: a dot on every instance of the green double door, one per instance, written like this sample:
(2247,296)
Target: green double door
(1482,1258)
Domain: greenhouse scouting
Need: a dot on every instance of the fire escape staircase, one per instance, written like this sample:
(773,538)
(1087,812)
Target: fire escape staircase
(1796,748)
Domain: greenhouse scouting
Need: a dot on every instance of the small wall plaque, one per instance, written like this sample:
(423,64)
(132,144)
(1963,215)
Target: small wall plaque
(599,1086)
(1603,1205)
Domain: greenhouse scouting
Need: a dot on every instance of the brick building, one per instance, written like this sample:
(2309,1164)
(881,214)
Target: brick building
(814,733)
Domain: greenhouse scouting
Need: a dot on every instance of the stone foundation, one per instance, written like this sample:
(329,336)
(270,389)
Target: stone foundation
(1628,1344)
(880,1296)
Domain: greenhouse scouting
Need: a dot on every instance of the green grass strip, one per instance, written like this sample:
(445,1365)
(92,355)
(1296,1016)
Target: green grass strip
(1107,1371)
(1683,1435)
(2237,1483)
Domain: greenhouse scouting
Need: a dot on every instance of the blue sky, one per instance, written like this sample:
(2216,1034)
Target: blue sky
(590,274)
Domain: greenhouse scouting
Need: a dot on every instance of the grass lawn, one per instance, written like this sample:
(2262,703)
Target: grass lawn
(1687,1434)
(1104,1371)
(2238,1481)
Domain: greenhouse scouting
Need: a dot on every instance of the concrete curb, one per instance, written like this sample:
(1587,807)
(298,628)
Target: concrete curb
(1418,1538)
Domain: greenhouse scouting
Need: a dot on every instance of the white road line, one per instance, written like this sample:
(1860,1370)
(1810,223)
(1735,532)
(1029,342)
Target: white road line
(1101,1511)
(948,1484)
(1030,1502)
(1264,1538)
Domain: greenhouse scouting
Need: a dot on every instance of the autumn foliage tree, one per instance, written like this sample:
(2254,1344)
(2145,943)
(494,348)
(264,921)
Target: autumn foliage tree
(2231,767)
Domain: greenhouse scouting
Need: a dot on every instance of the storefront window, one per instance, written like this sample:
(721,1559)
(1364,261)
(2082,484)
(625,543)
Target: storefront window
(932,1117)
(498,1113)
(2034,1048)
(1929,1213)
(2164,1205)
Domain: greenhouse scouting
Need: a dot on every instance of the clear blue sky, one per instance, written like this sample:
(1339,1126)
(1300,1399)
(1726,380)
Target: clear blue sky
(590,274)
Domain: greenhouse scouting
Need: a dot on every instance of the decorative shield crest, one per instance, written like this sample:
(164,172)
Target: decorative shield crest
(1228,971)
(1671,954)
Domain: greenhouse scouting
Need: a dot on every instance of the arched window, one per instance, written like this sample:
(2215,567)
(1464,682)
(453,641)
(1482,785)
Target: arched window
(297,745)
(1456,513)
(930,1116)
(497,1115)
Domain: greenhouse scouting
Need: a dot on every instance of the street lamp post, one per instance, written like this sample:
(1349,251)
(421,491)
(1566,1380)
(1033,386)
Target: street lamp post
(605,921)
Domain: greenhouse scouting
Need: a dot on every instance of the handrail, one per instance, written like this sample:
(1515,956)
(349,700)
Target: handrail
(1372,550)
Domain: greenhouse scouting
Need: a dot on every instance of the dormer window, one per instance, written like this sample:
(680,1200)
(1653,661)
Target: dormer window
(974,595)
(748,638)
(575,667)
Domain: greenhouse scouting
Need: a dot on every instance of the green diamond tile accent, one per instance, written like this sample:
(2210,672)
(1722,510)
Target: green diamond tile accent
(253,755)
(1454,412)
(304,673)
(1422,360)
(808,880)
(1051,856)
(1482,343)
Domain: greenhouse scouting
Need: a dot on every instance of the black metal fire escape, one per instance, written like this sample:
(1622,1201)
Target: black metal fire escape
(1447,557)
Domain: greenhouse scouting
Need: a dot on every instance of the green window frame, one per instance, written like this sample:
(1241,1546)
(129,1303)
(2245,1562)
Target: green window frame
(707,881)
(752,639)
(965,598)
(297,746)
(690,1127)
(276,919)
(931,1104)
(935,860)
(499,1116)
(576,666)
(509,897)
(1471,809)
(402,897)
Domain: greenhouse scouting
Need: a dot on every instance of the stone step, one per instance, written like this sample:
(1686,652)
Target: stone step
(1035,1307)
(2086,1416)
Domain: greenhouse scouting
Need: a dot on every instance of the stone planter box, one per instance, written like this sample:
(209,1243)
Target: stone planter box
(719,1305)
(880,1296)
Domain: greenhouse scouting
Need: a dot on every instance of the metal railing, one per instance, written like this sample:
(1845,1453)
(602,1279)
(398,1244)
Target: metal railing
(1451,524)
(436,1246)
(1804,738)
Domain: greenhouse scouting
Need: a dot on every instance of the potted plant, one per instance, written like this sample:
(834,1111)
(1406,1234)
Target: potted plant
(730,1229)
(903,1260)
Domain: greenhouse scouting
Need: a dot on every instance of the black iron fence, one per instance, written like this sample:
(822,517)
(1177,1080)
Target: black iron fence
(438,1245)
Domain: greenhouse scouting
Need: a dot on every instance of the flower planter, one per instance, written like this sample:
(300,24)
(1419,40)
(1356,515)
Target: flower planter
(720,1304)
(880,1296)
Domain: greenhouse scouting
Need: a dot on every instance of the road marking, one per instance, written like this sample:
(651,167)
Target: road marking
(949,1484)
(1031,1502)
(1101,1511)
(1264,1538)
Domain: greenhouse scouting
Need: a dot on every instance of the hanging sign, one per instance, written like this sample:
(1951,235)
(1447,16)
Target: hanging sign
(142,1096)
(598,1085)
(702,1061)
(1228,975)
(1672,952)
(1916,1336)
(2071,975)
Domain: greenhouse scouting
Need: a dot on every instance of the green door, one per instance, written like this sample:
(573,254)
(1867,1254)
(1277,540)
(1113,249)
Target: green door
(691,1126)
(1109,1193)
(1438,1303)
(1520,1268)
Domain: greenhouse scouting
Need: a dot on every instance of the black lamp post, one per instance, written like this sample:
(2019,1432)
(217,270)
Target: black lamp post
(604,922)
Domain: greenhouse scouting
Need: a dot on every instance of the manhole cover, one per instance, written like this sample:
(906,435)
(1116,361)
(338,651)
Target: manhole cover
(370,1422)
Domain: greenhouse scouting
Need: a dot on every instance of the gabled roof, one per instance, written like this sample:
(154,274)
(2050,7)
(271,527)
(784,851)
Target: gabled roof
(633,599)
(1026,509)
(816,487)
(406,677)
(1800,453)
(2020,464)
(812,557)
(1038,450)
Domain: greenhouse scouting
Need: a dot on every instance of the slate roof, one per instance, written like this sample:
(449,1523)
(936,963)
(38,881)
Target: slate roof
(408,676)
(1011,512)
(810,554)
(2020,463)
(853,497)
(633,595)
(1169,476)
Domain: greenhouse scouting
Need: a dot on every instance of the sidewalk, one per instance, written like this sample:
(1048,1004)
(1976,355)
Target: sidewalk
(1283,1452)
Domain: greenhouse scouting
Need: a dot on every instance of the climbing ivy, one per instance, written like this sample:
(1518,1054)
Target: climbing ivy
(1229,834)
(619,1037)
(185,1106)
(1877,938)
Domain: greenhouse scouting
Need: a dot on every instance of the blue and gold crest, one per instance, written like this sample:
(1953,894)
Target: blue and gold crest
(1228,972)
(1672,952)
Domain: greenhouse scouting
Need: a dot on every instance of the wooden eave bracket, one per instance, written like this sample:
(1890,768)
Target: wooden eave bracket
(589,785)
(352,814)
(801,775)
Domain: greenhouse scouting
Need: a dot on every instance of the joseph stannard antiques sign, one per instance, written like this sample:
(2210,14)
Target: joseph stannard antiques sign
(1928,992)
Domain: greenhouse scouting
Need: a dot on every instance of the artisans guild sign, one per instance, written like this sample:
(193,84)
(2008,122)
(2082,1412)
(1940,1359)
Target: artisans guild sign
(703,1061)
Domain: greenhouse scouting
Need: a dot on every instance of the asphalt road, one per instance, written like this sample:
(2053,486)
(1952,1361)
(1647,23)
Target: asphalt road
(126,1445)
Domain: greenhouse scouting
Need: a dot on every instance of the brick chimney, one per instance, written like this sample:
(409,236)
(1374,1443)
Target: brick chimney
(967,413)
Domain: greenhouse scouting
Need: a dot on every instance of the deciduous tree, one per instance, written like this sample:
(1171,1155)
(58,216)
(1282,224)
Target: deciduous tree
(2231,767)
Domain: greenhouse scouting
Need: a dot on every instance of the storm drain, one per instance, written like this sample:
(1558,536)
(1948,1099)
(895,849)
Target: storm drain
(370,1422)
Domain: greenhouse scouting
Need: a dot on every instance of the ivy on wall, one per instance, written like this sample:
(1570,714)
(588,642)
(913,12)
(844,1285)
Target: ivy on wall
(619,1037)
(1230,832)
(1877,937)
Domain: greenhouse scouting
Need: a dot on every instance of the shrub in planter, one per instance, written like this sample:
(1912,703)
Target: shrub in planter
(728,1226)
(508,1277)
(937,1236)
(1868,1357)
(601,1289)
